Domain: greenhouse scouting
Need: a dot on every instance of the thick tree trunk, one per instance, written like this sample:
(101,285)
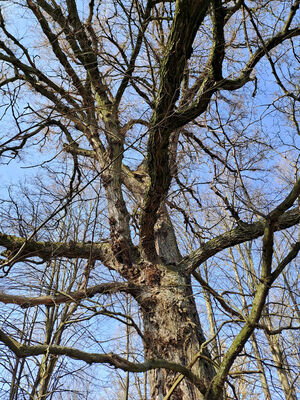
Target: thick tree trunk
(173,331)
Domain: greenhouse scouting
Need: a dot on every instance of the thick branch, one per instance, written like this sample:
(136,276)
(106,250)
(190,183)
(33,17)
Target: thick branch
(51,250)
(60,298)
(236,236)
(188,17)
(112,359)
(232,84)
(218,49)
(57,50)
(209,87)
(290,256)
(240,340)
(81,47)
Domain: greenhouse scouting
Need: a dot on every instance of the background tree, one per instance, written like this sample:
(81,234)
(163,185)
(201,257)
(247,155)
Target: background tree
(178,122)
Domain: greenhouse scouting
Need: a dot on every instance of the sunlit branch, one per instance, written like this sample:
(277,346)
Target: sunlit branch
(232,84)
(236,236)
(51,250)
(61,298)
(259,300)
(187,19)
(22,350)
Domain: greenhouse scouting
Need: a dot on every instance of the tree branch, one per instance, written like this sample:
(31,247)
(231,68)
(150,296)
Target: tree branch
(216,295)
(50,250)
(236,236)
(61,298)
(22,350)
(240,340)
(232,84)
(188,17)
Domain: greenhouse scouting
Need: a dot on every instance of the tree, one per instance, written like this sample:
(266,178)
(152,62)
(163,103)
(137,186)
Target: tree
(168,117)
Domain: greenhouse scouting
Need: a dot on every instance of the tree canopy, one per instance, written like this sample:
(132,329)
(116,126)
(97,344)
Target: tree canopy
(155,239)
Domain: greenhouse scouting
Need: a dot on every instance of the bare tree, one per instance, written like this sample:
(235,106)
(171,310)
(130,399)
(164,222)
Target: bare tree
(177,118)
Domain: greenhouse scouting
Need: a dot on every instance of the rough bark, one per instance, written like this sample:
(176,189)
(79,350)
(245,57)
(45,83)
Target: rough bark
(90,102)
(173,331)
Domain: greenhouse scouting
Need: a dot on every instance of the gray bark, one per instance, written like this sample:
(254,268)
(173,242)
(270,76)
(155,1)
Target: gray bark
(173,331)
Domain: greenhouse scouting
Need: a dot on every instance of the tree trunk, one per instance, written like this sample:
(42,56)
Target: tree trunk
(262,375)
(172,331)
(281,363)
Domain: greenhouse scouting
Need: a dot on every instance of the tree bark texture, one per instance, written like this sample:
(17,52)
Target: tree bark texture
(140,107)
(173,331)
